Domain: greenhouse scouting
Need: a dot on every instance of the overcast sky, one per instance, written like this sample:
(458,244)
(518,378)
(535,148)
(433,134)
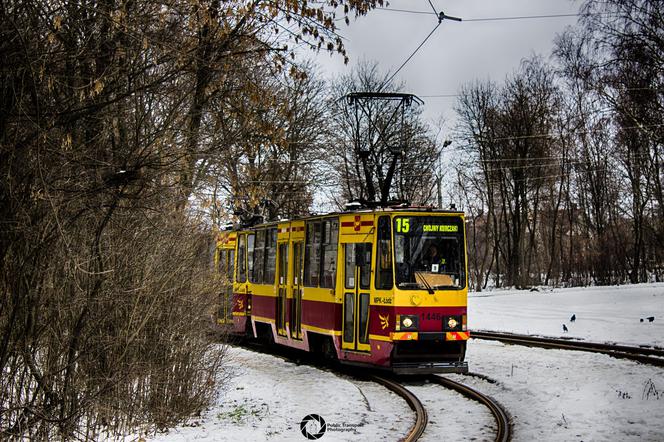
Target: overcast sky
(458,51)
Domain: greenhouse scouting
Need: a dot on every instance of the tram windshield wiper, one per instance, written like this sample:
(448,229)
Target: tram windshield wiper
(426,285)
(422,282)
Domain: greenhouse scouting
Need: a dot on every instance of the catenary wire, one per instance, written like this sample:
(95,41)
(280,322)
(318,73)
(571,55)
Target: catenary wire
(481,19)
(413,54)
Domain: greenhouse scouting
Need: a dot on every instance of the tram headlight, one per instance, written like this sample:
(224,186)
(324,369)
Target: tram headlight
(407,322)
(452,323)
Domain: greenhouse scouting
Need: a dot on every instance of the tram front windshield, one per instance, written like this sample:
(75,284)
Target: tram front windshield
(429,252)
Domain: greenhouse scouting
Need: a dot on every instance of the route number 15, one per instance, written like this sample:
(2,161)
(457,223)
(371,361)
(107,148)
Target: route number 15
(403,225)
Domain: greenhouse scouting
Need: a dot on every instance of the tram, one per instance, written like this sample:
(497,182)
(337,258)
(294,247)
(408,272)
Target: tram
(380,287)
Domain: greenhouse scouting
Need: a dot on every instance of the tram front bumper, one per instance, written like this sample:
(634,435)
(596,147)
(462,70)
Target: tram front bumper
(428,336)
(432,355)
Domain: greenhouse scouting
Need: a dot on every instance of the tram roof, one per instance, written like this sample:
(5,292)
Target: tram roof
(353,212)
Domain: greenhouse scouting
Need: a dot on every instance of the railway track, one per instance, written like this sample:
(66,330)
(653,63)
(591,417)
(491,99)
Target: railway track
(503,430)
(503,433)
(646,355)
(421,416)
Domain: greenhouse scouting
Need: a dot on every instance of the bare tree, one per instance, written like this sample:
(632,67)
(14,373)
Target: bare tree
(616,55)
(514,168)
(107,128)
(271,151)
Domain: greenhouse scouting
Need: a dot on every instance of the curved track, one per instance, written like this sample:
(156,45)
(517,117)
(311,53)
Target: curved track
(421,417)
(647,355)
(503,431)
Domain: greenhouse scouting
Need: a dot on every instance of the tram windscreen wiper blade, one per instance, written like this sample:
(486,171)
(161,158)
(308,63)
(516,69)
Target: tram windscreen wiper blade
(427,286)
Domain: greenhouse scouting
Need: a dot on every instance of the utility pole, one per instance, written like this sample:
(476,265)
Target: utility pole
(440,175)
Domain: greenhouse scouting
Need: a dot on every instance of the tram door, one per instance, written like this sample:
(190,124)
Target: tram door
(296,298)
(226,269)
(282,288)
(357,281)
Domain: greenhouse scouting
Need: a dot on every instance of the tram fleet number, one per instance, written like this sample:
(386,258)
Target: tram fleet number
(432,316)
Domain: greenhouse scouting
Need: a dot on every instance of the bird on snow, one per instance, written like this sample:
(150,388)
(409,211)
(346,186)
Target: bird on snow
(650,318)
(565,328)
(573,318)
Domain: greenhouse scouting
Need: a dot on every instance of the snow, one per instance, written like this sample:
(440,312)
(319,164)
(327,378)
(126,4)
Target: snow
(564,395)
(449,415)
(552,395)
(603,314)
(559,395)
(266,398)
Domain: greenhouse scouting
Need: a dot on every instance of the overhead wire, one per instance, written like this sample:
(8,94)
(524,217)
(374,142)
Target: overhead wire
(441,16)
(413,54)
(480,19)
(523,17)
(434,8)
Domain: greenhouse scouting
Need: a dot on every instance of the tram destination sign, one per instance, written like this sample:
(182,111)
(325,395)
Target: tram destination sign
(439,228)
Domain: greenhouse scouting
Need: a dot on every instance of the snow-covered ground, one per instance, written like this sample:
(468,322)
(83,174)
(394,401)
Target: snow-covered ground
(266,398)
(603,314)
(557,395)
(552,395)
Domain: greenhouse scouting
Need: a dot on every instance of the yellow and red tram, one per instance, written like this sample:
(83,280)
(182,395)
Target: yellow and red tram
(383,287)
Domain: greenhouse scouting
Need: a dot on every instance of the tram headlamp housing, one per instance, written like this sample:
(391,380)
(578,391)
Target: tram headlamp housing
(452,323)
(407,322)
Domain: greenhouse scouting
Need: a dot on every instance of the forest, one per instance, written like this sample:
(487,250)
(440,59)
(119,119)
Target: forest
(563,181)
(132,130)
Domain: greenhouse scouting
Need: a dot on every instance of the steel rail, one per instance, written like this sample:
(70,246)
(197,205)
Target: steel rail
(653,356)
(421,417)
(503,429)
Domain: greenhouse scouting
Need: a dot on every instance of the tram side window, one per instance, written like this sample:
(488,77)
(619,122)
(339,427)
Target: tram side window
(222,264)
(241,259)
(311,255)
(230,269)
(251,241)
(270,256)
(384,254)
(329,253)
(259,263)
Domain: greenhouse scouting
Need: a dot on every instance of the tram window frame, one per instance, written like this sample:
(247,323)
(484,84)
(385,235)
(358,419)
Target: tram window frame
(312,254)
(350,262)
(384,268)
(328,253)
(241,267)
(270,255)
(259,262)
(363,326)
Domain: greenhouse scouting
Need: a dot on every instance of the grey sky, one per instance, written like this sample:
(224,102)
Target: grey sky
(458,51)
